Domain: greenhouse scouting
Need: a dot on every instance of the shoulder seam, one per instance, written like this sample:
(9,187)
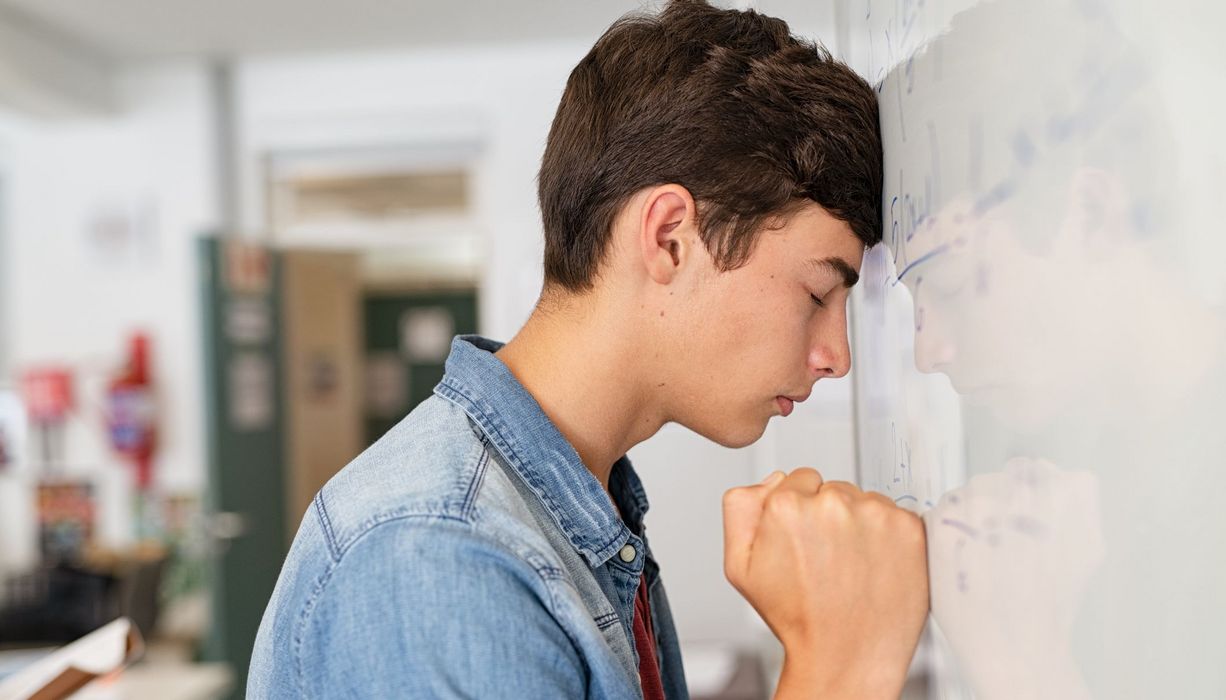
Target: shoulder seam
(458,503)
(474,486)
(326,525)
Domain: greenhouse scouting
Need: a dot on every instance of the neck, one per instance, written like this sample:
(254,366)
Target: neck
(583,364)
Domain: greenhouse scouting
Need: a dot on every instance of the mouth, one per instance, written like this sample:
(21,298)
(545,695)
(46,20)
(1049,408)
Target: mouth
(787,404)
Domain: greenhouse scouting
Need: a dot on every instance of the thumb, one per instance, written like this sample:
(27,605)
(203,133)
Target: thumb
(742,511)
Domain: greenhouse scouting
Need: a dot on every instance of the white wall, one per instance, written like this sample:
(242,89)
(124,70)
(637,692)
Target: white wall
(496,101)
(6,258)
(71,301)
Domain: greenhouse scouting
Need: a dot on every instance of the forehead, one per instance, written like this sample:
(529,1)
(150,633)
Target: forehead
(812,233)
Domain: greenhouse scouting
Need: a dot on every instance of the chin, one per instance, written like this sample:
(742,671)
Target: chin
(735,437)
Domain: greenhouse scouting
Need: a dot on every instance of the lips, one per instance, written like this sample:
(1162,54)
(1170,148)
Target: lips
(788,403)
(785,405)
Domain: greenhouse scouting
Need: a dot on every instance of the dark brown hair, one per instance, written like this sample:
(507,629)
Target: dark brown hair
(728,104)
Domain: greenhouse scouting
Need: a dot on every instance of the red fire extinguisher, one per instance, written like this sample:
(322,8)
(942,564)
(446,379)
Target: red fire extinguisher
(131,411)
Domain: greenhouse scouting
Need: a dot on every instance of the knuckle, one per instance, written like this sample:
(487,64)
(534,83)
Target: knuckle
(785,504)
(842,489)
(807,472)
(881,498)
(832,504)
(734,496)
(845,492)
(877,507)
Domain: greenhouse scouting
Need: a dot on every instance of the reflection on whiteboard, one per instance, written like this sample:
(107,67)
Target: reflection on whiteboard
(1040,355)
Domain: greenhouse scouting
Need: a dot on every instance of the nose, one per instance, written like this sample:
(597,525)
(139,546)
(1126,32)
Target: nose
(933,351)
(830,353)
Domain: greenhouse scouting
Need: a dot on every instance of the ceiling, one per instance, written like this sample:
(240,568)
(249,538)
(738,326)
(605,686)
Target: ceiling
(57,56)
(135,29)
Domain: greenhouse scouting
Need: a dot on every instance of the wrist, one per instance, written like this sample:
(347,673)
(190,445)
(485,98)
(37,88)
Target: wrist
(808,673)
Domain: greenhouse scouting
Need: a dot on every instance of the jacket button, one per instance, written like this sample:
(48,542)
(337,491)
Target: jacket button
(627,553)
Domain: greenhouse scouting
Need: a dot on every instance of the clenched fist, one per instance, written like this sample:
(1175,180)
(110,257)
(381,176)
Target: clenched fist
(838,574)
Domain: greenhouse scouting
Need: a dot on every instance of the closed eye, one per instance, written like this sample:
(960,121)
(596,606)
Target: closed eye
(817,301)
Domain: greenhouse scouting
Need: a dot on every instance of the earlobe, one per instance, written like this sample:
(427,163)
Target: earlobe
(665,231)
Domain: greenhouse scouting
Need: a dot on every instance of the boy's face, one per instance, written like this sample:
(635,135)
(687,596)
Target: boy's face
(751,337)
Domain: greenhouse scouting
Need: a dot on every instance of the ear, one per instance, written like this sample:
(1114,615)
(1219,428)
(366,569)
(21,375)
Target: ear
(666,225)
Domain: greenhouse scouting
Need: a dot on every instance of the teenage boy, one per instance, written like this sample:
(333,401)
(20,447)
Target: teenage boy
(709,186)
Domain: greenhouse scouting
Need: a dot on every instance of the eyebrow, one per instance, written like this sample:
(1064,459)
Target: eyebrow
(838,265)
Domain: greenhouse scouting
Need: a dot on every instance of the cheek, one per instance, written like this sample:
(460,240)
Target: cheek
(721,310)
(762,340)
(757,316)
(749,332)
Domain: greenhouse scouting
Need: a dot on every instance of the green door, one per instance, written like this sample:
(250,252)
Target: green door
(244,413)
(407,337)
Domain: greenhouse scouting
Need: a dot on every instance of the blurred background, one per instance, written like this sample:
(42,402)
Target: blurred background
(235,241)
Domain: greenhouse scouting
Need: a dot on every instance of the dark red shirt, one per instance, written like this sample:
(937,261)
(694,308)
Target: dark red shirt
(645,643)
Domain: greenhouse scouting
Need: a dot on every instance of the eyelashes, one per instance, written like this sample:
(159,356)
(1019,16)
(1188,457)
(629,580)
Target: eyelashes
(816,300)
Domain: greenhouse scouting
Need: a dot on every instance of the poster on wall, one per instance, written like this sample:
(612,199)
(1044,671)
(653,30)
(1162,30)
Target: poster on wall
(425,334)
(66,515)
(251,391)
(387,385)
(122,232)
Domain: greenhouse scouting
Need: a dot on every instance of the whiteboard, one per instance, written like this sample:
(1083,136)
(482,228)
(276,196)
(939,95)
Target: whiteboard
(1040,345)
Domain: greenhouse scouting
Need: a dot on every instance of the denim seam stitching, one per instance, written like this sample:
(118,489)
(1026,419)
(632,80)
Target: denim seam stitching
(554,608)
(308,607)
(606,620)
(548,572)
(402,513)
(326,524)
(470,498)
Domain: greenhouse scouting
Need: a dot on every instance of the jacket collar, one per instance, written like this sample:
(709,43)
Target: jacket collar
(514,423)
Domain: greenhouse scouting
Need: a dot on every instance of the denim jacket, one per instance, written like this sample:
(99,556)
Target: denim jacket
(467,553)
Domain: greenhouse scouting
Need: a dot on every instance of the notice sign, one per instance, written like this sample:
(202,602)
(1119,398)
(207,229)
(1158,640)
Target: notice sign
(251,391)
